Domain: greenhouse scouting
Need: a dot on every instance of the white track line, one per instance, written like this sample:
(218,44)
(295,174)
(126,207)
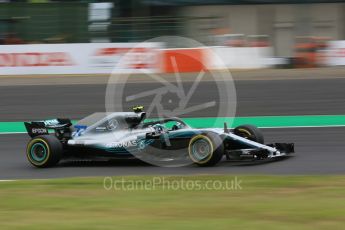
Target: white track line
(2,133)
(311,126)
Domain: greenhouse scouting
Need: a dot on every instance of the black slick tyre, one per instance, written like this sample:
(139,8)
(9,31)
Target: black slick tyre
(44,151)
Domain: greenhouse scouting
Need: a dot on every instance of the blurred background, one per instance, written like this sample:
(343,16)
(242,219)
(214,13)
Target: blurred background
(293,33)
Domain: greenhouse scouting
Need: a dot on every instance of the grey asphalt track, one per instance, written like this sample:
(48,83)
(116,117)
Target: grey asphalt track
(254,98)
(319,150)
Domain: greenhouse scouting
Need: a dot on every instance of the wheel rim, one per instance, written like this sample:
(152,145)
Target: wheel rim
(38,152)
(245,134)
(201,149)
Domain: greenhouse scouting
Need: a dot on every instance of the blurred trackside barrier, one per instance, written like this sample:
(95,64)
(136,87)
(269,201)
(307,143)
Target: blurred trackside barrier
(101,58)
(239,57)
(334,54)
(79,58)
(217,57)
(184,60)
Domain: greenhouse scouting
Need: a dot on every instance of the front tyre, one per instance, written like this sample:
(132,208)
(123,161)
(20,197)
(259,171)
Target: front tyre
(206,149)
(44,151)
(250,132)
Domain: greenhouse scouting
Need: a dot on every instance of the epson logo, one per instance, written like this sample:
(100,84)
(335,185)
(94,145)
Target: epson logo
(38,131)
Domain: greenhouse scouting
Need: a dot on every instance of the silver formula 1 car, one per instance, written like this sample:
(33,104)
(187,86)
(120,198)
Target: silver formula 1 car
(129,134)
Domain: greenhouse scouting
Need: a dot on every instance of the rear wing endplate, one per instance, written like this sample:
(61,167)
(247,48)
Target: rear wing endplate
(36,128)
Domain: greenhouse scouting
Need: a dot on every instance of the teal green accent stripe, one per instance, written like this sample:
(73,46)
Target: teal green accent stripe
(262,121)
(12,127)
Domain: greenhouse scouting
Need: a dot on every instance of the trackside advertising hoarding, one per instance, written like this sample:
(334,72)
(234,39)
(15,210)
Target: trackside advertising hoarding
(106,58)
(239,57)
(335,53)
(85,58)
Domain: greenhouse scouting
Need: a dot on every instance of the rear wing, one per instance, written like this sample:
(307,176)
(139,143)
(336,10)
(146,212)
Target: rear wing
(36,128)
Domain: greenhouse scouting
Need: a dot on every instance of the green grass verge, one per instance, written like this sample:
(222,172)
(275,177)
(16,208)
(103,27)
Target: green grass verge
(264,202)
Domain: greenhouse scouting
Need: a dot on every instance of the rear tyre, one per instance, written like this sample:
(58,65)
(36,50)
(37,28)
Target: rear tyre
(206,149)
(250,132)
(44,151)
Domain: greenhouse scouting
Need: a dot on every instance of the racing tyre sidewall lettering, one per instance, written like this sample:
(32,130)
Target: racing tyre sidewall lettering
(250,132)
(206,149)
